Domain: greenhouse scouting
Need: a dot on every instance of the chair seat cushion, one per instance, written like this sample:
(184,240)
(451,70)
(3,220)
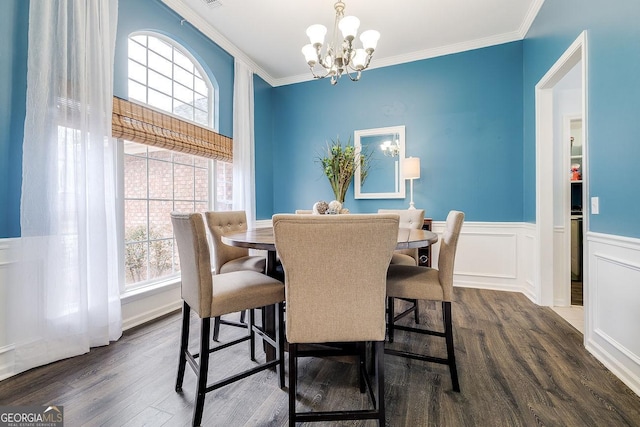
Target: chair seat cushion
(404,281)
(251,263)
(402,259)
(242,290)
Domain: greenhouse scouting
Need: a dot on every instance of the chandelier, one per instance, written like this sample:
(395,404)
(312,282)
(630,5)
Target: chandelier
(390,148)
(340,56)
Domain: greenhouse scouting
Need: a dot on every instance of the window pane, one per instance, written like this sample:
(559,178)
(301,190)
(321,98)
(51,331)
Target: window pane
(135,177)
(183,181)
(160,64)
(137,52)
(142,39)
(202,207)
(201,184)
(185,159)
(201,117)
(135,220)
(182,61)
(137,72)
(137,91)
(159,82)
(183,94)
(184,206)
(135,262)
(183,110)
(159,153)
(201,86)
(159,100)
(160,219)
(182,76)
(160,47)
(160,258)
(160,180)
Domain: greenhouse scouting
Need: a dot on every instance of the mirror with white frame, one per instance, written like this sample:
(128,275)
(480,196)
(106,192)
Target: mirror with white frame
(385,150)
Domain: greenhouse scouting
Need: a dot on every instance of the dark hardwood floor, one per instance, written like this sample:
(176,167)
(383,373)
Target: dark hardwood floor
(519,365)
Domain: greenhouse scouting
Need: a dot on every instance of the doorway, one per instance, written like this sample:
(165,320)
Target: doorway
(557,97)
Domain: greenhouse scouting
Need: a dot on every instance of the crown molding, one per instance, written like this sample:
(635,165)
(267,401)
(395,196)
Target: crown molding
(531,16)
(205,28)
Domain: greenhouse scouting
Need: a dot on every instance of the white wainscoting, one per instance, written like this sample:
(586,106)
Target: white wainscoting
(612,297)
(6,348)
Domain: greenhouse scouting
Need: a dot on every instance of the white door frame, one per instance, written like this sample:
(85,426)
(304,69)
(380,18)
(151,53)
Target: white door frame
(545,262)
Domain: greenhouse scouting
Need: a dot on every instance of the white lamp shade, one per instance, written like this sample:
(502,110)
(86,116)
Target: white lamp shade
(349,26)
(316,33)
(411,168)
(309,53)
(359,59)
(370,39)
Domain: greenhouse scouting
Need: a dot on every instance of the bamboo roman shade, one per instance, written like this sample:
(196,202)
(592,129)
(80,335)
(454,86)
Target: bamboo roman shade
(139,123)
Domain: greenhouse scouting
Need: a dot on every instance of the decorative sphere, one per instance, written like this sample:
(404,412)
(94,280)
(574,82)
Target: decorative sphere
(334,207)
(320,208)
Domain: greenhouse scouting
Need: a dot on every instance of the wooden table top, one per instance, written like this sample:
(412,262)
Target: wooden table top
(262,238)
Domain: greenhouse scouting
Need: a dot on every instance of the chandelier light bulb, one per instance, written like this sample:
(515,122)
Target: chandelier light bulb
(359,59)
(369,40)
(349,27)
(310,54)
(316,34)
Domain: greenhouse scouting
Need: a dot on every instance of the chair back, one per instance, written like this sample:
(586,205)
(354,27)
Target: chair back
(447,254)
(304,211)
(195,261)
(225,222)
(409,218)
(335,274)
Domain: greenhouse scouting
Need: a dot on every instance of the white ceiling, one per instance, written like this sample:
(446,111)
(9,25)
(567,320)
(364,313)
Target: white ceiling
(268,34)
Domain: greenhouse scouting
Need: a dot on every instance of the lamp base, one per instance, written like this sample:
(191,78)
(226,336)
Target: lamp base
(412,207)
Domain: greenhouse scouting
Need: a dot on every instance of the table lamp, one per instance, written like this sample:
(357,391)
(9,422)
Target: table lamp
(411,171)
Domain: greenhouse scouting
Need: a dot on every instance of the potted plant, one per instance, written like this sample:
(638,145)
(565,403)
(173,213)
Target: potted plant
(339,164)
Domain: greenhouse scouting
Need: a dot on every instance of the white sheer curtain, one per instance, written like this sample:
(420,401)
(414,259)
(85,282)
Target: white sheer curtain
(63,289)
(244,188)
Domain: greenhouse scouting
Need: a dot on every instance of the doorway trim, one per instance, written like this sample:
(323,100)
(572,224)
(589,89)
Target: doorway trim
(545,261)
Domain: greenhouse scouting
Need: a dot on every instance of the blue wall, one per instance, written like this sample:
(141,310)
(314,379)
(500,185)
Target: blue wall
(613,97)
(263,135)
(14,24)
(463,118)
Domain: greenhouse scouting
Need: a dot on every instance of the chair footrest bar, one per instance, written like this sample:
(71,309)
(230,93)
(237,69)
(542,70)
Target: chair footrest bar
(233,323)
(241,375)
(366,414)
(420,331)
(414,356)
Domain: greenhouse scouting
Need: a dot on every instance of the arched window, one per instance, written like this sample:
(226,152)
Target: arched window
(165,76)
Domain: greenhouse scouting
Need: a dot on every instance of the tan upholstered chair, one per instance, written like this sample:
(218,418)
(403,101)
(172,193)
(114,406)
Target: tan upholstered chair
(425,283)
(229,258)
(409,218)
(211,295)
(335,277)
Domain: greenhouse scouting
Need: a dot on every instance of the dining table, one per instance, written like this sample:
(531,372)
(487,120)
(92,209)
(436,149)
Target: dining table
(262,238)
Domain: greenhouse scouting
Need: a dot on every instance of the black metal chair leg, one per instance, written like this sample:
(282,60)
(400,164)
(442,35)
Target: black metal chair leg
(362,366)
(184,342)
(448,327)
(252,335)
(378,349)
(216,328)
(202,371)
(390,317)
(293,375)
(416,313)
(280,340)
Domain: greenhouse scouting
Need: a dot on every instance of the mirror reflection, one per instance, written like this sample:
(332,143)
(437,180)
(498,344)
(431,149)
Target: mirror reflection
(386,148)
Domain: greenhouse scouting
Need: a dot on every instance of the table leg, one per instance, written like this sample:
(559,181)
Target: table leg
(268,313)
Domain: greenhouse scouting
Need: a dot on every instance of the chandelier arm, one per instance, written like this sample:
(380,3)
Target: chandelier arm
(353,79)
